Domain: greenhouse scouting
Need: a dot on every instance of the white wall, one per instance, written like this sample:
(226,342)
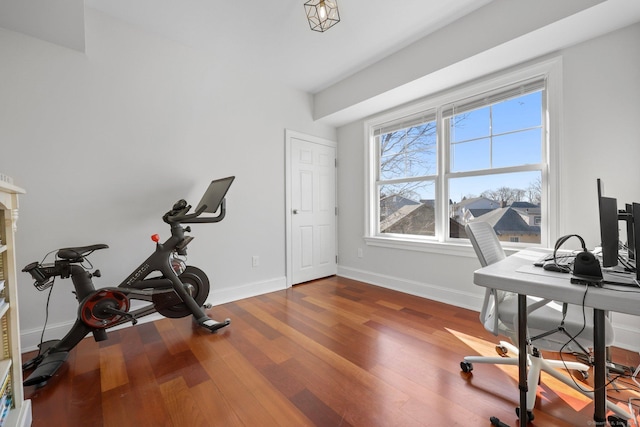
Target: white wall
(105,142)
(600,138)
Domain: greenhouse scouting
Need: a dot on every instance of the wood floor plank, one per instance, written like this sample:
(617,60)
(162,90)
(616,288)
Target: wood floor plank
(332,352)
(217,410)
(239,392)
(144,397)
(113,371)
(84,406)
(182,409)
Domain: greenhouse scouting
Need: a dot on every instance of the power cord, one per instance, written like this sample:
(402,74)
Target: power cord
(631,401)
(46,317)
(573,338)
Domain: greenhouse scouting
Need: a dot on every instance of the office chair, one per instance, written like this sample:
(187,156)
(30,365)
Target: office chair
(551,326)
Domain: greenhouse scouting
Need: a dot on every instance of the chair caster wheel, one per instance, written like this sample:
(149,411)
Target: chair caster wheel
(466,367)
(530,416)
(502,351)
(582,375)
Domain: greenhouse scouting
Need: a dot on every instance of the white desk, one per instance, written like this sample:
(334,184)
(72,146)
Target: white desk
(516,273)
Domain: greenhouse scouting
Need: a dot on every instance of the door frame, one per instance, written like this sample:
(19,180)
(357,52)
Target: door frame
(289,135)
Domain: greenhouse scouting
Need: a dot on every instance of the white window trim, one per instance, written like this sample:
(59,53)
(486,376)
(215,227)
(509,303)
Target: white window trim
(551,69)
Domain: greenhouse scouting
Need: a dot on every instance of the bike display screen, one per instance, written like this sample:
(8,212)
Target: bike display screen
(214,195)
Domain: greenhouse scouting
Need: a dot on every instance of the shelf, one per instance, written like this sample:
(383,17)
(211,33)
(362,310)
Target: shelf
(5,187)
(5,365)
(20,417)
(10,354)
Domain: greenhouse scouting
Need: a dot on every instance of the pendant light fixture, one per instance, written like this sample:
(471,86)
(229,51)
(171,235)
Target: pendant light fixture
(322,14)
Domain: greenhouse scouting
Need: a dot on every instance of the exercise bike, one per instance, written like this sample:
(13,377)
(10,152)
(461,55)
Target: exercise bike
(163,283)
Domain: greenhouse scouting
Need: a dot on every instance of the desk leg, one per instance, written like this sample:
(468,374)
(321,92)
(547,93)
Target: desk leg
(522,358)
(599,370)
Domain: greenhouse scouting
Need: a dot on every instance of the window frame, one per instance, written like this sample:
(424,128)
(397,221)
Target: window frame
(549,69)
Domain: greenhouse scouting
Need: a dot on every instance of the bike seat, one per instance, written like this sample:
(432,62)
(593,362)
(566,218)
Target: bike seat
(79,252)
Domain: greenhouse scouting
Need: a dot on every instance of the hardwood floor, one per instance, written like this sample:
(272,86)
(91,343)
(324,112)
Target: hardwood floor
(333,352)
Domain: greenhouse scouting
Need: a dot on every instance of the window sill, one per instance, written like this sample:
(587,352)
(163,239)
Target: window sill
(463,249)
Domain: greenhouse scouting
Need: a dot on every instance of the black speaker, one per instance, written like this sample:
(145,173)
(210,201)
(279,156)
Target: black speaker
(587,267)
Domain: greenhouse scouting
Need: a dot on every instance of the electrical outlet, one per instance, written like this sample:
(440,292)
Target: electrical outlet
(255,261)
(360,255)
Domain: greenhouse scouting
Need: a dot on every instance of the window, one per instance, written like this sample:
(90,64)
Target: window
(477,154)
(494,173)
(407,167)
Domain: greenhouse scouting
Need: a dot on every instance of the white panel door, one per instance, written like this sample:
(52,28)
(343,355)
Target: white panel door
(313,210)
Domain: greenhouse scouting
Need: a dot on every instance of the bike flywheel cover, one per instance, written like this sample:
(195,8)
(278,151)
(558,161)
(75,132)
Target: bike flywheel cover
(93,310)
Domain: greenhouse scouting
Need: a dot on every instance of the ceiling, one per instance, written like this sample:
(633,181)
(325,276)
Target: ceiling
(275,35)
(272,35)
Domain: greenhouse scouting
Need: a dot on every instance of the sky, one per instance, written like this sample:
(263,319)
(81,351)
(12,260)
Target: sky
(505,134)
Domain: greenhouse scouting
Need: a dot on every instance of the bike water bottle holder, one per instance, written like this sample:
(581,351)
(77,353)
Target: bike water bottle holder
(41,274)
(44,286)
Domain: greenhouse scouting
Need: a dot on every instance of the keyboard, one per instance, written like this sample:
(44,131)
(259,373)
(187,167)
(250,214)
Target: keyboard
(619,278)
(561,259)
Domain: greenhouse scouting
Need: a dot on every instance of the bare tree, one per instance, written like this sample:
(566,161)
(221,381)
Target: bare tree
(534,192)
(408,152)
(505,195)
(508,195)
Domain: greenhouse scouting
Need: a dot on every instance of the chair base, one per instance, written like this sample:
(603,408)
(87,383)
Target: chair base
(538,364)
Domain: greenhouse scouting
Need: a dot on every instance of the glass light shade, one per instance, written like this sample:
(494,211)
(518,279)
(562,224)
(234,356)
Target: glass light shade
(322,14)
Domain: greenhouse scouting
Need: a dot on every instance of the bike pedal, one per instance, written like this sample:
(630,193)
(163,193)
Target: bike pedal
(213,326)
(32,363)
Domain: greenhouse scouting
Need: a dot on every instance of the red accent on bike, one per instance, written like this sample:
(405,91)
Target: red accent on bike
(155,238)
(92,310)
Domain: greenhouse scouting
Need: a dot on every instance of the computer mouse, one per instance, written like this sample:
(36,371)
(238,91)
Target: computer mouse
(551,266)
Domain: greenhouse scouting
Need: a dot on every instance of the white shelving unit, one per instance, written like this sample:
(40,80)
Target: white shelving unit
(19,414)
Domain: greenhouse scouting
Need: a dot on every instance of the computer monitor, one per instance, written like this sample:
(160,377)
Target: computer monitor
(608,210)
(632,213)
(635,216)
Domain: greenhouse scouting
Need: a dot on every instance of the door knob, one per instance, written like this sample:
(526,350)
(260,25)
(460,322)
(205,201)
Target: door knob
(295,211)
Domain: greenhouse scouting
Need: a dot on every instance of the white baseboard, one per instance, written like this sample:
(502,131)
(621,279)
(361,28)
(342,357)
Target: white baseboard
(422,289)
(30,339)
(222,296)
(626,337)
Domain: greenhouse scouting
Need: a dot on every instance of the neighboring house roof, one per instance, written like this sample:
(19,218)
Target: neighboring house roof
(477,203)
(391,204)
(397,199)
(419,220)
(479,212)
(529,211)
(508,221)
(525,205)
(396,216)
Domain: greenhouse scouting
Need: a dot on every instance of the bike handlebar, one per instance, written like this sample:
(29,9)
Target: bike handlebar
(179,214)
